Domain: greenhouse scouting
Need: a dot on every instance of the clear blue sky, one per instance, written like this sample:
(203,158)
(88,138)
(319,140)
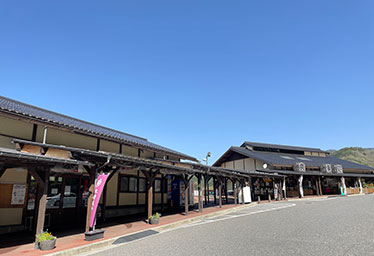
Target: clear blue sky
(198,76)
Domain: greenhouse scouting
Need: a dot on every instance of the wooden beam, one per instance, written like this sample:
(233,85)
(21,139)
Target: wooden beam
(150,199)
(36,174)
(186,179)
(220,191)
(317,187)
(320,186)
(2,170)
(215,190)
(200,204)
(42,206)
(226,195)
(92,173)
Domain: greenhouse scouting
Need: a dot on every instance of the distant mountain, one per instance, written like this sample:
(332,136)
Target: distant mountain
(358,155)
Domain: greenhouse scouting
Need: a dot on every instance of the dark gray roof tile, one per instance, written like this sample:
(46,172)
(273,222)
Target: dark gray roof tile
(29,111)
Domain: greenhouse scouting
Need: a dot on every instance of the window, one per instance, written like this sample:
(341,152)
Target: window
(128,184)
(133,185)
(157,186)
(142,185)
(124,184)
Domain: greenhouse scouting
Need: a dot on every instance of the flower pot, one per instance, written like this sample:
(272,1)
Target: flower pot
(153,221)
(47,245)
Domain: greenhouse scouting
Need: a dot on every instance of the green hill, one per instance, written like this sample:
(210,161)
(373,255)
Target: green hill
(358,155)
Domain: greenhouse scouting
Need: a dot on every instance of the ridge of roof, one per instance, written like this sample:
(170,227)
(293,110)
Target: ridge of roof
(313,161)
(278,146)
(12,106)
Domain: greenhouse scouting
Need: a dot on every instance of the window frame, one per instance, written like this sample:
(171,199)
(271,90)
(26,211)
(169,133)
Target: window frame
(128,177)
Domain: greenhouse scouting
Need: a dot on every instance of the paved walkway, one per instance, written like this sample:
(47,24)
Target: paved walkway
(72,241)
(115,231)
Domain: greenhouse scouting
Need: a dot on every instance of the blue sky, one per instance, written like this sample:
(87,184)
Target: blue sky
(198,76)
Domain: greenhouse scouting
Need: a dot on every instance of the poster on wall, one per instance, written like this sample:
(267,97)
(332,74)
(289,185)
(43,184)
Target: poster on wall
(18,194)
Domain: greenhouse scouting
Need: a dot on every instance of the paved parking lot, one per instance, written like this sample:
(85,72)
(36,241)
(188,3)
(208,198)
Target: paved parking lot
(330,226)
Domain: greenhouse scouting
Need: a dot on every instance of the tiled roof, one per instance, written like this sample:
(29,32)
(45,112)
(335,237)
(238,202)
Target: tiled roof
(275,158)
(284,147)
(28,111)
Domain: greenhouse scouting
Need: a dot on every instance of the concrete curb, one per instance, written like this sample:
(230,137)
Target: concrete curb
(106,243)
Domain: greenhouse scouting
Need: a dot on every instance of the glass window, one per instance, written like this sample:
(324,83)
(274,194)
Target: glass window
(54,192)
(32,194)
(157,186)
(70,192)
(124,184)
(142,185)
(133,185)
(84,192)
(165,186)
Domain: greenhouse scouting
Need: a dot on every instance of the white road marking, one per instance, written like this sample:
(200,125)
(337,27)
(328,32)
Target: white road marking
(238,215)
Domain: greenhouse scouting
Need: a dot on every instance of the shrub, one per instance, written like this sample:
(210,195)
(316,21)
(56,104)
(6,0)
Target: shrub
(44,236)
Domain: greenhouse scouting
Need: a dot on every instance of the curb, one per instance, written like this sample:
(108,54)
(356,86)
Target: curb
(106,243)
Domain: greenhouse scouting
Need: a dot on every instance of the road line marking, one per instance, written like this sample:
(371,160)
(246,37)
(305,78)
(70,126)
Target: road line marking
(239,215)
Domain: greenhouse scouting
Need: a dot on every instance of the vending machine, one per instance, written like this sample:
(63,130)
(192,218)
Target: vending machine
(178,195)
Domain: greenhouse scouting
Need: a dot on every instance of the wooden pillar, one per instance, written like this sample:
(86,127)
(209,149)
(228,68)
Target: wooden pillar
(235,192)
(92,173)
(215,190)
(226,196)
(317,187)
(42,196)
(150,198)
(163,181)
(205,190)
(200,204)
(220,191)
(186,192)
(320,186)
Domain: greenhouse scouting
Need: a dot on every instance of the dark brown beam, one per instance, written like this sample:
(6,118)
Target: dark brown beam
(200,204)
(92,173)
(220,191)
(42,196)
(226,196)
(2,170)
(215,190)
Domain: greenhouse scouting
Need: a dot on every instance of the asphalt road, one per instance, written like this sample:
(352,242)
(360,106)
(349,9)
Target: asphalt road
(332,226)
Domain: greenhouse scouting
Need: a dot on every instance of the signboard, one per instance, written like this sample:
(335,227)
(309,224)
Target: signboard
(18,194)
(99,186)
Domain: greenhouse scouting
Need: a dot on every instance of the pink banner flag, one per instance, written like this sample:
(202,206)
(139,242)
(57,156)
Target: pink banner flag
(99,186)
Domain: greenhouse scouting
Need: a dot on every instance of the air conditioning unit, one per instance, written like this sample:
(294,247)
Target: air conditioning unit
(326,168)
(337,168)
(299,167)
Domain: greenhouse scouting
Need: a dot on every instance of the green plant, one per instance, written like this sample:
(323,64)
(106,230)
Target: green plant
(44,236)
(155,216)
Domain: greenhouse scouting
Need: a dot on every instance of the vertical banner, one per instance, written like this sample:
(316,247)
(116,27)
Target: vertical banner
(99,186)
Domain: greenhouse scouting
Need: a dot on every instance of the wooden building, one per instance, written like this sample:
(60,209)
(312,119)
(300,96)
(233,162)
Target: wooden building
(308,171)
(49,161)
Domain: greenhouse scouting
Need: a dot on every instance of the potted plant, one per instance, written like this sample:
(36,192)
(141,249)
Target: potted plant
(153,219)
(46,241)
